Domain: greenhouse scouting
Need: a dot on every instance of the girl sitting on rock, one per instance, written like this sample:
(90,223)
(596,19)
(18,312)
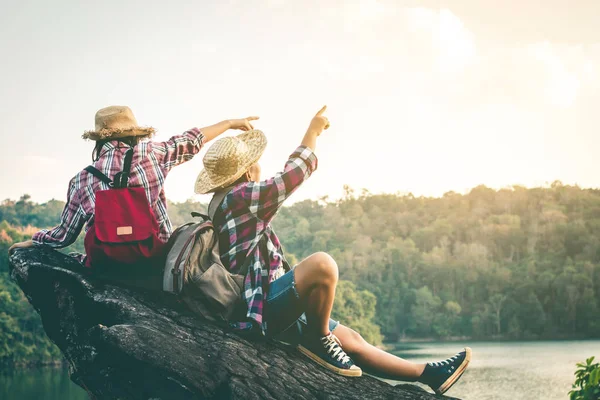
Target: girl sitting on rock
(116,134)
(293,304)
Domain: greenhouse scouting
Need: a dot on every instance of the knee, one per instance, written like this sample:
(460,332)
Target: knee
(325,267)
(353,343)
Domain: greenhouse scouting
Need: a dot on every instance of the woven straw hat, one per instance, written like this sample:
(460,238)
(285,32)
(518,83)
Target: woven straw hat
(116,122)
(228,159)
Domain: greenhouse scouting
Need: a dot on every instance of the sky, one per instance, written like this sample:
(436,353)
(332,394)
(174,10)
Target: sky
(423,96)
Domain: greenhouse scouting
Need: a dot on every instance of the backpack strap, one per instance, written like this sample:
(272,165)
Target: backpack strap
(94,171)
(213,206)
(122,178)
(215,202)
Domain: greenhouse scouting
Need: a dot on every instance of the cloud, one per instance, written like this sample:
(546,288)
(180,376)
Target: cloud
(526,74)
(42,160)
(360,68)
(562,84)
(396,42)
(451,41)
(357,13)
(532,76)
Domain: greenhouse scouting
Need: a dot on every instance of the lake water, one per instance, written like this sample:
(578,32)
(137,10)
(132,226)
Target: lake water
(510,370)
(39,384)
(498,371)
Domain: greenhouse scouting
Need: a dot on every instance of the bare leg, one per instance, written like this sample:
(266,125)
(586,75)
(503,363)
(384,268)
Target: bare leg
(316,278)
(374,360)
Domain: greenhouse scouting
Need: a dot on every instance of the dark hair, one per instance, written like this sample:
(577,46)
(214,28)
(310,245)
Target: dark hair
(129,141)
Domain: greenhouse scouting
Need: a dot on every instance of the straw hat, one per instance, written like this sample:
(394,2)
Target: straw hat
(116,122)
(228,159)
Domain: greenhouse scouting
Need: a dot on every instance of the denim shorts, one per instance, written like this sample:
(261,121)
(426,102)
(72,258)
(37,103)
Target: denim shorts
(284,313)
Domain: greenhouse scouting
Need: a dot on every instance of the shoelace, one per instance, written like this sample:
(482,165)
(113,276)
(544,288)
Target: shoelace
(333,346)
(447,361)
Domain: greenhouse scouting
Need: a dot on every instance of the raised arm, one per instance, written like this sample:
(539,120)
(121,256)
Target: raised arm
(243,124)
(318,124)
(182,148)
(265,197)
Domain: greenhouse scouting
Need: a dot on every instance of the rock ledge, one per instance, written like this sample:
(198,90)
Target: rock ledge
(129,344)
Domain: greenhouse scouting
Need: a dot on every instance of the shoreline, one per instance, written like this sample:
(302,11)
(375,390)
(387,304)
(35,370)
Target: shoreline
(490,339)
(391,346)
(386,346)
(33,365)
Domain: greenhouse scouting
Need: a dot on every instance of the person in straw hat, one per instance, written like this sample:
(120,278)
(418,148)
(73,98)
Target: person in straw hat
(116,130)
(292,304)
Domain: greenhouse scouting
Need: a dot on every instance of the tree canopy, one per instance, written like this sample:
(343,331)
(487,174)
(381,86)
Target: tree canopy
(509,263)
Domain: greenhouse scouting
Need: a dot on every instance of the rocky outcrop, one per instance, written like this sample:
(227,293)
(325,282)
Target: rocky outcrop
(123,343)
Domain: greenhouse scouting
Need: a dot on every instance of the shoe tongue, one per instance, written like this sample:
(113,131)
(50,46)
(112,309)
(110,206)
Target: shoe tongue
(326,337)
(336,339)
(329,338)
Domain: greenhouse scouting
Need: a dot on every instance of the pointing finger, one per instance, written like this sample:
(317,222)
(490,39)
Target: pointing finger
(322,110)
(253,118)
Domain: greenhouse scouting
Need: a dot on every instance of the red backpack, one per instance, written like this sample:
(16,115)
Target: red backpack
(124,231)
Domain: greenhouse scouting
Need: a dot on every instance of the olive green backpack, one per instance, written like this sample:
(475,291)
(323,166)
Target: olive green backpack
(194,270)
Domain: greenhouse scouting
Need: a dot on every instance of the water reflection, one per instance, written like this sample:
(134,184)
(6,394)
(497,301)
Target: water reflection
(499,371)
(39,383)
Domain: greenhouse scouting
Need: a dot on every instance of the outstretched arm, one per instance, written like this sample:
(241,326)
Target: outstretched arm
(182,148)
(71,222)
(318,124)
(264,198)
(243,124)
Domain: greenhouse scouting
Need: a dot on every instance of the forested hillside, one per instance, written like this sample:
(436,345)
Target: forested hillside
(22,337)
(513,263)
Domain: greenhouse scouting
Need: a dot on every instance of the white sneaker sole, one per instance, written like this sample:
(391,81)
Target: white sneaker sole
(456,375)
(354,371)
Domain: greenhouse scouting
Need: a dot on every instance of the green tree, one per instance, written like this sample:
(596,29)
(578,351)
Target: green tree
(424,311)
(518,262)
(587,381)
(356,309)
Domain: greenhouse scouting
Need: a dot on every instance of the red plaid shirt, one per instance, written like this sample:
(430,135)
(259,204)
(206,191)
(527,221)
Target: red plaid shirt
(150,165)
(244,217)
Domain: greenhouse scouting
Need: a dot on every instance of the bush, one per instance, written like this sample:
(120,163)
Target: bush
(587,382)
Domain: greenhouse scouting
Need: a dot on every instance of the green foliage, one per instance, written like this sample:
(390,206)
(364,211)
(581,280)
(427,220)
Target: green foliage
(356,309)
(180,213)
(26,213)
(22,337)
(512,263)
(587,381)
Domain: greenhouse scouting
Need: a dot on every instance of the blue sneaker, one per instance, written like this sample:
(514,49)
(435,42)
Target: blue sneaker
(440,376)
(327,352)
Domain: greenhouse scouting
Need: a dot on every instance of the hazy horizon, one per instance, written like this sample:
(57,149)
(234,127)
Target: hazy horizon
(356,192)
(424,97)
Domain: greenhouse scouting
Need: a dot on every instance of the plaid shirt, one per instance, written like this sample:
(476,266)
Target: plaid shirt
(150,165)
(244,217)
